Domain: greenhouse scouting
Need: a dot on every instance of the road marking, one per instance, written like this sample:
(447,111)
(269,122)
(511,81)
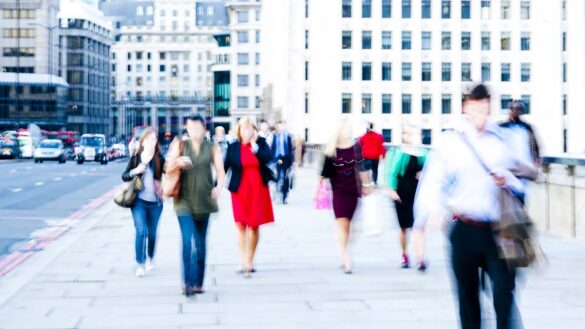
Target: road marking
(16,190)
(40,183)
(56,179)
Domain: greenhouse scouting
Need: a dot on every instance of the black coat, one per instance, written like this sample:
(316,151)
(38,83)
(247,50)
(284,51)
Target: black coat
(233,161)
(134,162)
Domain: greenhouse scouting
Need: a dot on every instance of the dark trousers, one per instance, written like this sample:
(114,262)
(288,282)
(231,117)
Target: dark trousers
(194,234)
(282,178)
(373,166)
(146,215)
(474,248)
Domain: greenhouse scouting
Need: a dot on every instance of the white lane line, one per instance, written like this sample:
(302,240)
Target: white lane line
(39,183)
(16,190)
(56,179)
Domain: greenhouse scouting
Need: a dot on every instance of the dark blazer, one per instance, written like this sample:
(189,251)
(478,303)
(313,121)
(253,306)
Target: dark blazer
(134,162)
(289,155)
(233,161)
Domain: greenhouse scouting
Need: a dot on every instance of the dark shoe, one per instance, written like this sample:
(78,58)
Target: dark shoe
(247,274)
(187,291)
(197,290)
(242,271)
(422,266)
(405,261)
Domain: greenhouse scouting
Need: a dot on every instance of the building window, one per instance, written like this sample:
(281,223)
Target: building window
(366,8)
(306,8)
(406,103)
(426,71)
(386,103)
(465,9)
(148,68)
(426,9)
(243,102)
(465,40)
(257,78)
(257,58)
(346,39)
(426,104)
(306,102)
(525,41)
(465,71)
(346,103)
(243,59)
(243,16)
(346,71)
(306,70)
(406,8)
(386,40)
(386,8)
(366,39)
(129,68)
(525,10)
(387,134)
(445,71)
(243,80)
(446,104)
(366,71)
(257,36)
(258,17)
(505,40)
(446,9)
(426,41)
(526,100)
(242,36)
(505,101)
(486,10)
(426,136)
(564,43)
(564,72)
(406,40)
(346,8)
(162,55)
(525,72)
(129,56)
(406,71)
(162,68)
(486,72)
(306,39)
(564,10)
(505,9)
(386,71)
(366,103)
(505,74)
(446,40)
(485,41)
(565,104)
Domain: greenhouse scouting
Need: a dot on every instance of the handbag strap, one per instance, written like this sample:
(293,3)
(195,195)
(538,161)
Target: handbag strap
(475,153)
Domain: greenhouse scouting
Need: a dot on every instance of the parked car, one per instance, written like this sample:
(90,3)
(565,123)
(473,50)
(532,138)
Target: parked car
(9,148)
(92,147)
(50,150)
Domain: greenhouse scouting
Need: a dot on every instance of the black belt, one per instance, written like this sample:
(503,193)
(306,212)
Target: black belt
(473,222)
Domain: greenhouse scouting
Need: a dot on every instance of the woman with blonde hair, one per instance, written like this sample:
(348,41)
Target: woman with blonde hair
(248,159)
(148,163)
(344,167)
(403,174)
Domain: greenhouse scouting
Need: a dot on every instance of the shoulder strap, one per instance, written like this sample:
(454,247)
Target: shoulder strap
(475,153)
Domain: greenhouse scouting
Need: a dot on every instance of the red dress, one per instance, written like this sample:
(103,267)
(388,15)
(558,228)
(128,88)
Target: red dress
(251,203)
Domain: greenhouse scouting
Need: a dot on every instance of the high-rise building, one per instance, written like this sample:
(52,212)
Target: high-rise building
(396,61)
(161,61)
(86,38)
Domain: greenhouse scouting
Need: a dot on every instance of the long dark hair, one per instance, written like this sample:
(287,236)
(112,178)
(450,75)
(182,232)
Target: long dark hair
(156,157)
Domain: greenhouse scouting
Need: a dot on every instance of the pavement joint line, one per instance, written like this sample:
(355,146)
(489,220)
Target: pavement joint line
(21,257)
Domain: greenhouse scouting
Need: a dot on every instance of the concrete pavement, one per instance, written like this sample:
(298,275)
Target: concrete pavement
(86,279)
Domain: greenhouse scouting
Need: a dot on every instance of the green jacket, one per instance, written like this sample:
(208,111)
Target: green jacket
(396,163)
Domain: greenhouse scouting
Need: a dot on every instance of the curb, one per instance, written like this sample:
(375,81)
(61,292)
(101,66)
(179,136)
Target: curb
(40,239)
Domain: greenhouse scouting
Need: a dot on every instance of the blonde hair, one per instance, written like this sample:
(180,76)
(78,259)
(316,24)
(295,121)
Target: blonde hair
(247,120)
(331,147)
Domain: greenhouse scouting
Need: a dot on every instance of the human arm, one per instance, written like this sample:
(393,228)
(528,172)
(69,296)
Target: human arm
(219,170)
(132,169)
(430,196)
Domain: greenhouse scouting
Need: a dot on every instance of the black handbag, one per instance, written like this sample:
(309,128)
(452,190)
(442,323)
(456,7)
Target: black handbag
(514,232)
(126,197)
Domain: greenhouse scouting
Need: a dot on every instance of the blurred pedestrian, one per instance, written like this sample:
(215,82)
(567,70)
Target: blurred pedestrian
(455,174)
(248,160)
(220,139)
(299,150)
(344,167)
(197,197)
(403,175)
(517,109)
(282,153)
(266,133)
(373,150)
(147,162)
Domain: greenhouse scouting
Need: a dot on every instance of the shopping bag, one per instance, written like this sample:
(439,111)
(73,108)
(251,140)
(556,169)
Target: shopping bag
(371,214)
(323,199)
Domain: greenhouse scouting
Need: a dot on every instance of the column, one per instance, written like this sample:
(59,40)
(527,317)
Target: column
(154,117)
(168,119)
(181,118)
(575,57)
(145,116)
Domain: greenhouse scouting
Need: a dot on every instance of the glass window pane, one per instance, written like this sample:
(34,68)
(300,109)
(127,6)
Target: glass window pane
(426,9)
(366,71)
(426,103)
(386,8)
(465,71)
(386,103)
(406,40)
(465,40)
(366,103)
(446,104)
(446,9)
(386,40)
(465,9)
(406,6)
(446,40)
(426,72)
(346,8)
(406,103)
(406,71)
(505,74)
(346,103)
(366,40)
(366,8)
(426,40)
(446,71)
(346,71)
(346,40)
(386,71)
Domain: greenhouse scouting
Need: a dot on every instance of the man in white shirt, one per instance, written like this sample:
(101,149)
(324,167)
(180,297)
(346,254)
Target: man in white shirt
(454,178)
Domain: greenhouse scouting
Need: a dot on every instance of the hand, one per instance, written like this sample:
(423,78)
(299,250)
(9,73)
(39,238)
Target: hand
(184,164)
(215,193)
(394,196)
(500,180)
(418,175)
(279,162)
(140,169)
(367,190)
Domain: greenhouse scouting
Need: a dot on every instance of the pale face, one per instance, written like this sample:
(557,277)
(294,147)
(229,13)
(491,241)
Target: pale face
(345,133)
(149,142)
(264,127)
(219,132)
(247,132)
(478,112)
(195,129)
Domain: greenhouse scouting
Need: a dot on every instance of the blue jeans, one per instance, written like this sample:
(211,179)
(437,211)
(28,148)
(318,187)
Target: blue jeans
(146,215)
(282,179)
(194,234)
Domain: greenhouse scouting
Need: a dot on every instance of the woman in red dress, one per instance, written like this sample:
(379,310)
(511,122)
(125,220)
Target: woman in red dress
(248,159)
